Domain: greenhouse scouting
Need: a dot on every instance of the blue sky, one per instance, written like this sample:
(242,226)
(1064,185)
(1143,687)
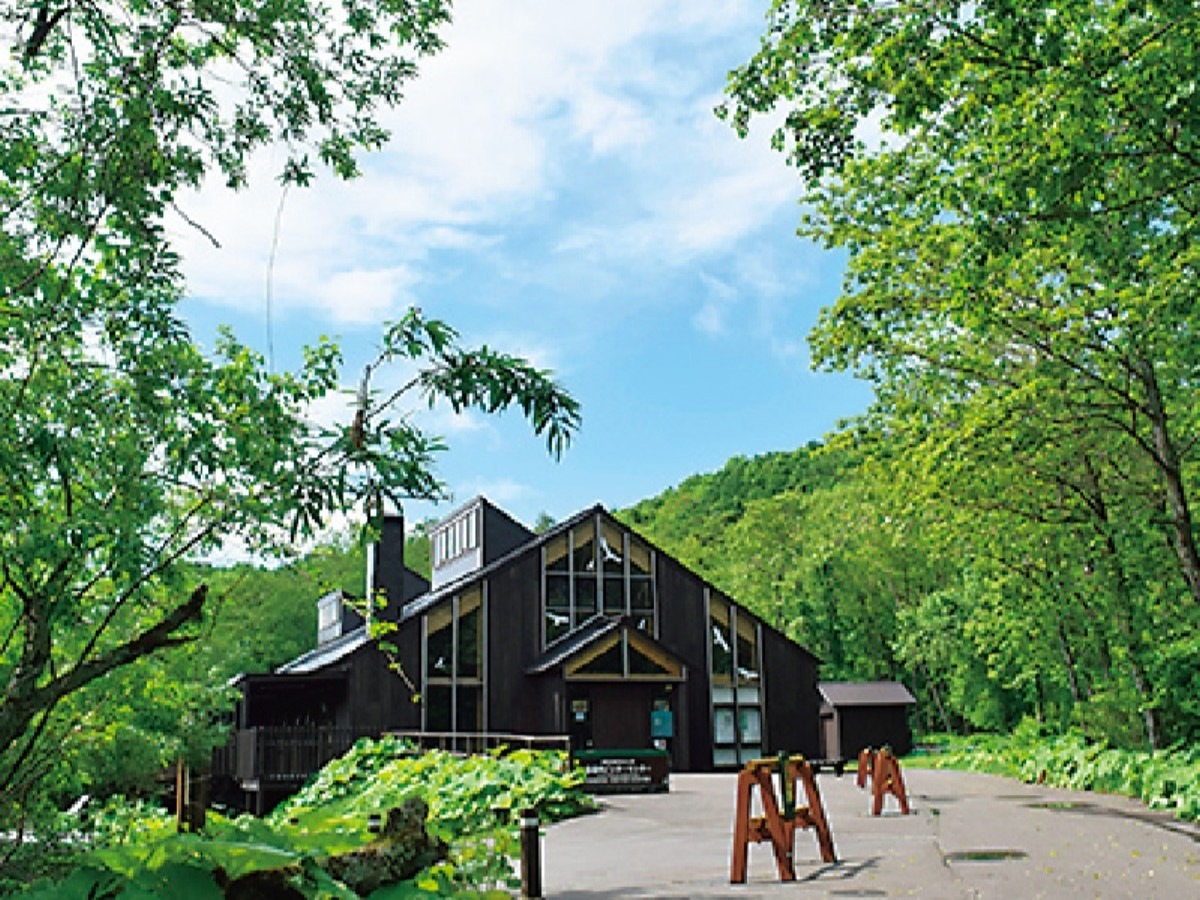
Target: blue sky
(557,186)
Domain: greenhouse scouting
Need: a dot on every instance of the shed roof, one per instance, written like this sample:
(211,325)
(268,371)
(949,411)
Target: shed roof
(327,654)
(865,693)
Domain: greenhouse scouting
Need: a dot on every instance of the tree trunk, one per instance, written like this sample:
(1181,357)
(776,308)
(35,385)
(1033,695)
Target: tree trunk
(1124,602)
(1167,459)
(27,694)
(1069,662)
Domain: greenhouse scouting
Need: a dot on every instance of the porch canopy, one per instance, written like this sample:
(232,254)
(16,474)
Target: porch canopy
(610,649)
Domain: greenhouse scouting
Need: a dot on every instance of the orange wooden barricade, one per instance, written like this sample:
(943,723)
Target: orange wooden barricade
(776,825)
(884,771)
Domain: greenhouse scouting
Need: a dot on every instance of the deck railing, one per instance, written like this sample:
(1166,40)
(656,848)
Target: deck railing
(280,753)
(290,754)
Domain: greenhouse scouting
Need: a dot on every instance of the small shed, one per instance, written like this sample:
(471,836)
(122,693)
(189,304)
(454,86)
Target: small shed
(858,714)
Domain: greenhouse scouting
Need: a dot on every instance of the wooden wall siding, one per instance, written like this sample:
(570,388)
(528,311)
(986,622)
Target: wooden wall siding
(370,691)
(389,569)
(872,726)
(350,618)
(408,647)
(501,534)
(518,703)
(683,629)
(318,701)
(792,703)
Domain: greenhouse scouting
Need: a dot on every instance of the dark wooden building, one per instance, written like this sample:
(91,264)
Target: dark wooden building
(586,632)
(856,715)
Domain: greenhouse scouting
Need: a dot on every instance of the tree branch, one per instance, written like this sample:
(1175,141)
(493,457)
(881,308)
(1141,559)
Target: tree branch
(42,26)
(157,637)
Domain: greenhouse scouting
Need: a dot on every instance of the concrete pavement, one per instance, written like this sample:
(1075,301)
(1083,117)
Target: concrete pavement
(968,836)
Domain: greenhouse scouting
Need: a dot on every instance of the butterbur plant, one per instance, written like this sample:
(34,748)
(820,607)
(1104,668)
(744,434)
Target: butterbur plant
(473,807)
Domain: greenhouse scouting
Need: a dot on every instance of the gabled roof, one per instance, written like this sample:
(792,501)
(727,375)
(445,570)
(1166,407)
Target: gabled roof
(338,649)
(588,635)
(865,693)
(421,604)
(570,644)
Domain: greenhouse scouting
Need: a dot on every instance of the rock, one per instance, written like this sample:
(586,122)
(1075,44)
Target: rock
(402,850)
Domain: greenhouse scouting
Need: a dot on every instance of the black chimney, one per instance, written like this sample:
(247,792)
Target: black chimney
(385,568)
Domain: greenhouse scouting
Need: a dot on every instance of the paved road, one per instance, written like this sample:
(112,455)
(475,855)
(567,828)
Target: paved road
(1050,843)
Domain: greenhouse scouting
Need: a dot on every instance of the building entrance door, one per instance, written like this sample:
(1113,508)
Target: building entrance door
(614,715)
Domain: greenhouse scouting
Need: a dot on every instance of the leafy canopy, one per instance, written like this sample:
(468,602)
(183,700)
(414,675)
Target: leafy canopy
(126,448)
(1016,187)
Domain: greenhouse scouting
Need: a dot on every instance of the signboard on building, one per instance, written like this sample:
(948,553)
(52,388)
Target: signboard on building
(625,771)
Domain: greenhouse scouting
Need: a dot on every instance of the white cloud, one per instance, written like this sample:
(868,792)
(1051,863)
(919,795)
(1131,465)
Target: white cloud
(720,298)
(445,422)
(710,319)
(501,491)
(475,145)
(363,296)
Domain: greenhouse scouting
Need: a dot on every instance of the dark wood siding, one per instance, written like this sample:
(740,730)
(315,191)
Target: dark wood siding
(389,570)
(683,629)
(379,700)
(792,703)
(859,727)
(519,703)
(502,534)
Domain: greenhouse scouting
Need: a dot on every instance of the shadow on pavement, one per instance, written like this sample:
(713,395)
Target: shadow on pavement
(1163,820)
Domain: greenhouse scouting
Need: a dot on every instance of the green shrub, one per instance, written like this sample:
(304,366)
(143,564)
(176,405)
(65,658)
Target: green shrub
(134,850)
(1168,779)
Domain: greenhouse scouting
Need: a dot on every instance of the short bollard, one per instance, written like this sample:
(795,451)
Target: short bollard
(531,856)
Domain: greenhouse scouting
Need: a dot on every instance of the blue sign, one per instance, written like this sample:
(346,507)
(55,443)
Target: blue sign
(662,723)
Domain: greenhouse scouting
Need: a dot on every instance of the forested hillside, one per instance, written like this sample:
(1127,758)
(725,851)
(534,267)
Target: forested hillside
(989,613)
(1020,292)
(795,537)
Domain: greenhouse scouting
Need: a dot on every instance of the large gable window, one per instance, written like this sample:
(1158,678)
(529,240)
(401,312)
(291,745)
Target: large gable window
(596,567)
(625,655)
(454,665)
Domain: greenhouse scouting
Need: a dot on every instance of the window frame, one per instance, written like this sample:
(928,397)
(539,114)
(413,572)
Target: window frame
(596,525)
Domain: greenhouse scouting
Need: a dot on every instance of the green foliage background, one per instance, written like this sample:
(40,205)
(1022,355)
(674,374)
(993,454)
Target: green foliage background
(835,546)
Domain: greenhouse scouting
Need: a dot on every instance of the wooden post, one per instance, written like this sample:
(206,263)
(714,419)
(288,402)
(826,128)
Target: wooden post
(813,816)
(866,762)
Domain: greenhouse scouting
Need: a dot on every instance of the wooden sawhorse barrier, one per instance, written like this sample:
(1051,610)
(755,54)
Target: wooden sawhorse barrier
(884,771)
(777,825)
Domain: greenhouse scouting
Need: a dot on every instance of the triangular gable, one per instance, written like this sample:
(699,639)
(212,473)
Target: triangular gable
(608,649)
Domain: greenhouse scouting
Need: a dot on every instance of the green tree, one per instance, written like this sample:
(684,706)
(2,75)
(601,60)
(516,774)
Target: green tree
(1027,220)
(126,449)
(1016,185)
